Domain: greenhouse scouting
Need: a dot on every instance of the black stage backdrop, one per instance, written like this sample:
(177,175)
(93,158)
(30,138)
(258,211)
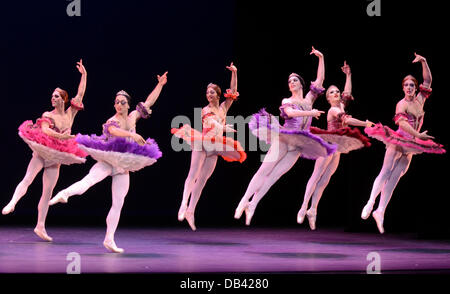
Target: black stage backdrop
(125,44)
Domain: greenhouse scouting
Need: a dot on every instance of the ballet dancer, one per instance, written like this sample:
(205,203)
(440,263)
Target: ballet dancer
(289,142)
(339,133)
(403,143)
(208,145)
(118,151)
(52,145)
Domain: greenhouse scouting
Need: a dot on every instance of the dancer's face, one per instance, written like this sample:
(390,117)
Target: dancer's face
(211,94)
(121,104)
(409,88)
(333,95)
(294,84)
(57,100)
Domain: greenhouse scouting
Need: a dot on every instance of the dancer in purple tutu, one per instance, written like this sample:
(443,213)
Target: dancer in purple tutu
(288,142)
(402,144)
(118,151)
(338,132)
(52,145)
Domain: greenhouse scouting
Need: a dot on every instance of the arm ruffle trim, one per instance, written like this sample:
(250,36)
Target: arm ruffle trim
(143,111)
(426,91)
(48,120)
(109,124)
(77,106)
(400,117)
(346,98)
(231,95)
(317,91)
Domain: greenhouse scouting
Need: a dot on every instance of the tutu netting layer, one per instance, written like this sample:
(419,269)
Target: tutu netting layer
(265,126)
(406,143)
(229,149)
(50,148)
(121,153)
(347,139)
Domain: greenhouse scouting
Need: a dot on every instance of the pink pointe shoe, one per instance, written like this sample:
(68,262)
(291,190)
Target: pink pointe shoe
(379,219)
(190,219)
(111,246)
(182,212)
(59,198)
(367,210)
(43,235)
(240,209)
(301,216)
(8,208)
(249,211)
(311,218)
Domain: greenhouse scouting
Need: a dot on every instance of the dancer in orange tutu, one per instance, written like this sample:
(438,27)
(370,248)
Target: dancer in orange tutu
(208,145)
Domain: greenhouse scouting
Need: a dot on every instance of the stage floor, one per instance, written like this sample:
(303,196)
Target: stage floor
(242,250)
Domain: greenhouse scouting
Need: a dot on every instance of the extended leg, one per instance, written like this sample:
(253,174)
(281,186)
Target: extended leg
(207,169)
(34,167)
(98,172)
(120,185)
(49,179)
(390,159)
(197,160)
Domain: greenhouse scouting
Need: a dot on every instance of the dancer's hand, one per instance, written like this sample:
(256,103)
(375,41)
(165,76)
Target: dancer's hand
(316,52)
(369,123)
(80,67)
(229,129)
(138,139)
(424,136)
(418,58)
(162,80)
(65,136)
(232,67)
(346,68)
(316,113)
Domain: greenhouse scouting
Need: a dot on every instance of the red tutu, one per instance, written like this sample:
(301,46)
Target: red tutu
(346,138)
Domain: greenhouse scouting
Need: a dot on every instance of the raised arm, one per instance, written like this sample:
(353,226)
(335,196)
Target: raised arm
(232,93)
(348,79)
(153,96)
(426,73)
(82,85)
(320,69)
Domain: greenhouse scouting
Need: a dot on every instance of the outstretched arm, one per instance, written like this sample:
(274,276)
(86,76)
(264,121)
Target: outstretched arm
(405,126)
(153,96)
(45,127)
(426,73)
(296,113)
(118,132)
(359,123)
(233,87)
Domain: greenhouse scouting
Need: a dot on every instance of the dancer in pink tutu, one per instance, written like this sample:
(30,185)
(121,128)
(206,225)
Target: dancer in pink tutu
(402,144)
(208,145)
(288,142)
(339,133)
(52,145)
(118,151)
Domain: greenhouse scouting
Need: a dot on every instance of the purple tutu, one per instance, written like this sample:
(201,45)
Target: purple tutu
(267,128)
(121,153)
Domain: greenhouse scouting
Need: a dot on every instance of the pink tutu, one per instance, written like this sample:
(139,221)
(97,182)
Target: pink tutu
(404,142)
(51,148)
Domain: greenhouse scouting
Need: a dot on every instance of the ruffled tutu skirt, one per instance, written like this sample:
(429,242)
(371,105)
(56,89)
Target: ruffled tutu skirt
(51,149)
(229,149)
(266,127)
(347,139)
(121,153)
(403,141)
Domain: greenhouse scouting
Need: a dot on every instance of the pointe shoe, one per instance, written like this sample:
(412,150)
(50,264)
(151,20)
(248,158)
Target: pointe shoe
(249,211)
(311,219)
(111,246)
(182,212)
(379,218)
(8,208)
(43,235)
(301,216)
(190,219)
(240,209)
(60,197)
(367,210)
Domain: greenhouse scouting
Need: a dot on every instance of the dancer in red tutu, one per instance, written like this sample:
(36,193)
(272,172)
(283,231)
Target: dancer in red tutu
(288,142)
(402,144)
(338,132)
(208,145)
(119,151)
(52,145)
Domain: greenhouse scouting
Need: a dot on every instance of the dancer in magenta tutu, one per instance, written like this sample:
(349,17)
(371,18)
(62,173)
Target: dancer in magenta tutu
(118,151)
(52,145)
(288,142)
(339,133)
(402,144)
(208,145)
